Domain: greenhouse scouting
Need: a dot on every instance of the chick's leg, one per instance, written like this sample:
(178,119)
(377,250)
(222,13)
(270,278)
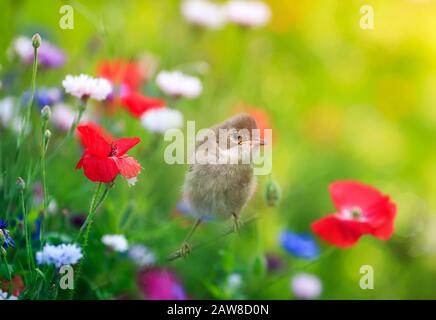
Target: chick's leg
(185,249)
(237,223)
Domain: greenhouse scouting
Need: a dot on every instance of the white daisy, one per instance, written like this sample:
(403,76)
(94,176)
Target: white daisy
(84,86)
(59,255)
(306,286)
(141,255)
(116,242)
(178,84)
(204,13)
(248,13)
(161,120)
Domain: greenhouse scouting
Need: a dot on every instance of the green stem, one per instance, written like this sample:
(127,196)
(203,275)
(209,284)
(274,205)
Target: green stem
(30,102)
(85,230)
(44,144)
(30,260)
(178,254)
(5,261)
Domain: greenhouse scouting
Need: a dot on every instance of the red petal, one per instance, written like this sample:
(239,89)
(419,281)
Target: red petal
(348,194)
(121,72)
(384,224)
(137,104)
(125,144)
(128,166)
(99,169)
(342,233)
(94,140)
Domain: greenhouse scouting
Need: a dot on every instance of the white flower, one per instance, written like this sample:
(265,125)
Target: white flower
(141,255)
(83,86)
(4,296)
(177,84)
(248,13)
(116,242)
(306,286)
(6,110)
(60,255)
(204,13)
(161,120)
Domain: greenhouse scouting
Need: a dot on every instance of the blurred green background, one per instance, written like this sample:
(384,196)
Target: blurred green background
(344,103)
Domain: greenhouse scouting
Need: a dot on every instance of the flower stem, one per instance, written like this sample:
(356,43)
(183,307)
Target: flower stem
(44,145)
(85,230)
(5,261)
(30,102)
(30,260)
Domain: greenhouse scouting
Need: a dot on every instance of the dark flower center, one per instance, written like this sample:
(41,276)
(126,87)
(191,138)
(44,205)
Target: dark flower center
(356,213)
(114,150)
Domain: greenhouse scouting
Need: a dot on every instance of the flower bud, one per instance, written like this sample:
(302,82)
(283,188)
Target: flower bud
(47,135)
(46,113)
(21,184)
(36,40)
(2,252)
(272,193)
(2,237)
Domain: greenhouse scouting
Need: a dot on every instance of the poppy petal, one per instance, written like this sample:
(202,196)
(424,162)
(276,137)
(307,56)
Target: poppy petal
(348,194)
(385,227)
(137,104)
(125,144)
(94,141)
(342,233)
(100,169)
(128,166)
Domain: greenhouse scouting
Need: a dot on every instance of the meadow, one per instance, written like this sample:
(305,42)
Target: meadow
(347,211)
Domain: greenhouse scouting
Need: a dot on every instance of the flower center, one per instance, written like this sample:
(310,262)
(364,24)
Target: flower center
(356,213)
(114,150)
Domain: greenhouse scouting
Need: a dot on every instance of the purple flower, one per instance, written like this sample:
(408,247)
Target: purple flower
(300,245)
(160,284)
(49,55)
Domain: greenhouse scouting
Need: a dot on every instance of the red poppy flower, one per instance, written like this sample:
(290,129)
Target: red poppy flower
(120,72)
(361,209)
(104,158)
(137,104)
(101,131)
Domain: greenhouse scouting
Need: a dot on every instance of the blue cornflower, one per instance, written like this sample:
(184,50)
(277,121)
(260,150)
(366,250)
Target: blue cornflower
(8,240)
(45,96)
(300,245)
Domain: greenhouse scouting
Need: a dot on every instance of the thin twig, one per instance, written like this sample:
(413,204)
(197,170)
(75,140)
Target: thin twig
(178,254)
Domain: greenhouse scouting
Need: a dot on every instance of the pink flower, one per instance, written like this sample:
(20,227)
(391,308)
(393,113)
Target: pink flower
(160,284)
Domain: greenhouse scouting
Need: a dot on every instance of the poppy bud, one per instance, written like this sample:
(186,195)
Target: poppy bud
(47,135)
(45,113)
(21,184)
(36,40)
(272,193)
